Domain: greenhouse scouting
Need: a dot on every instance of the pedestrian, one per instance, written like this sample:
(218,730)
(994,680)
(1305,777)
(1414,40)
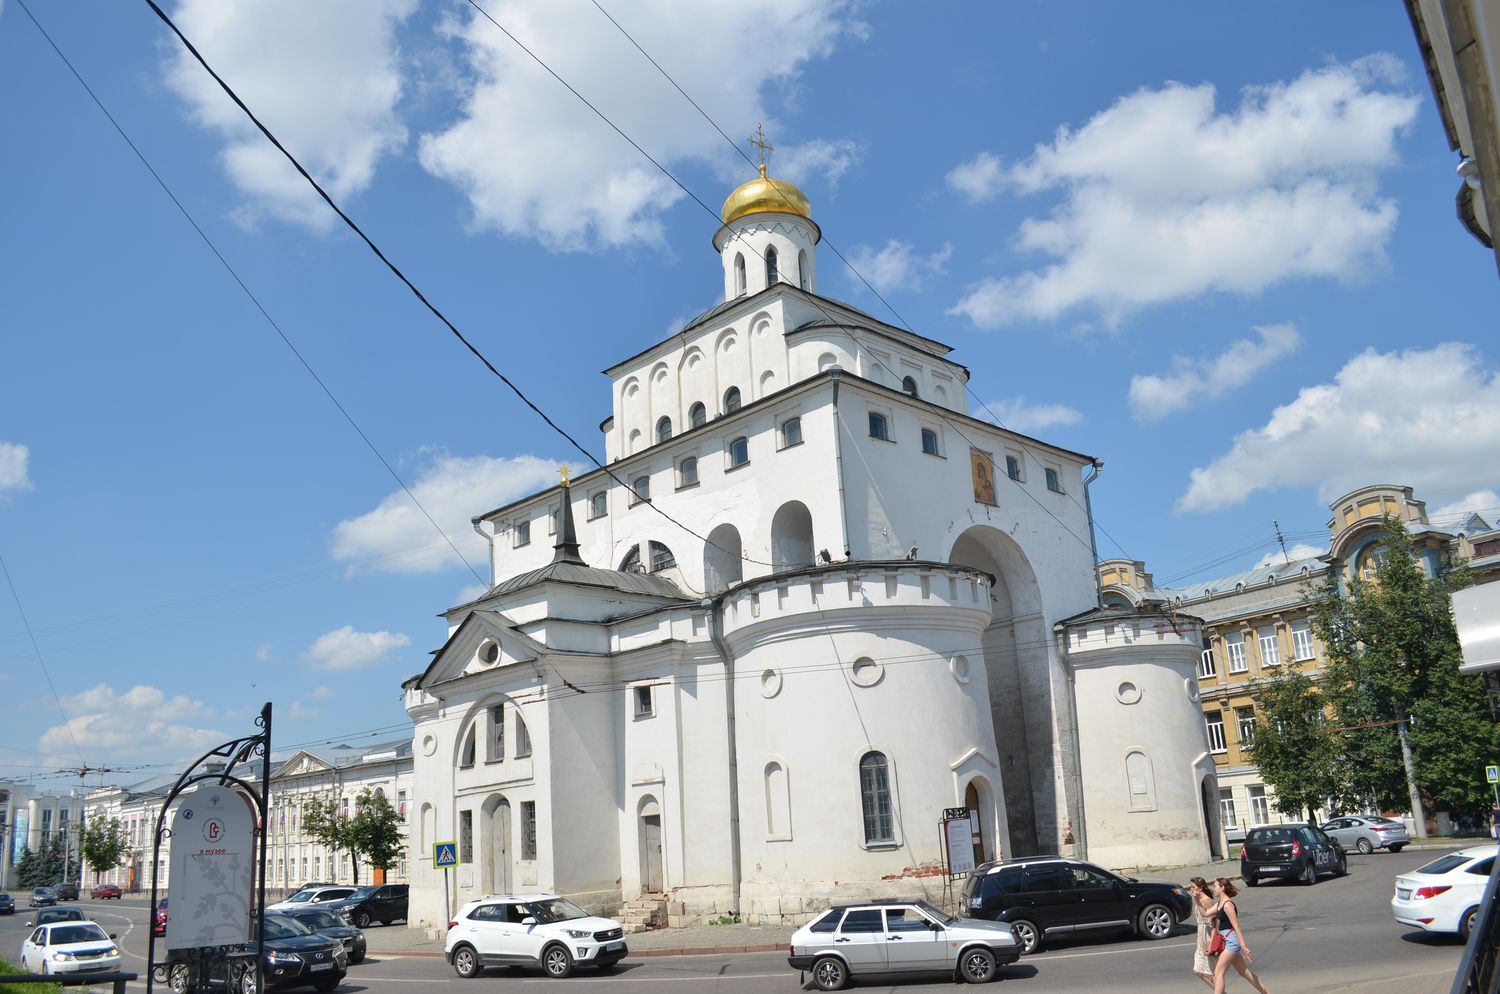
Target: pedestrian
(1236,951)
(1204,913)
(1495,821)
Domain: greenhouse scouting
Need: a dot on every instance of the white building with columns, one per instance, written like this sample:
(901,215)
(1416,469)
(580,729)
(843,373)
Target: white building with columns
(810,604)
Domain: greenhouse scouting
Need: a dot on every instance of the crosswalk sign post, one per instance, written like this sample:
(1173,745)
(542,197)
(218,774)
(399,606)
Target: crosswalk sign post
(445,855)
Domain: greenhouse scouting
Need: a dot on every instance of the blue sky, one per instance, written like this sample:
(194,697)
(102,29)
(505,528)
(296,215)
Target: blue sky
(1214,245)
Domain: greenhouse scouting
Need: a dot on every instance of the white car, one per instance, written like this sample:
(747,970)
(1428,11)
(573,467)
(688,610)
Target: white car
(537,930)
(1444,895)
(70,947)
(312,897)
(899,937)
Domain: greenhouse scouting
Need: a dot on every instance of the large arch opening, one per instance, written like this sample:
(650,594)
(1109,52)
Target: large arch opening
(723,559)
(1022,699)
(791,536)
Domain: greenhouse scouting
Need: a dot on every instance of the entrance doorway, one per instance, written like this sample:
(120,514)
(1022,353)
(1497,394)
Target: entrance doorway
(651,858)
(976,823)
(1211,817)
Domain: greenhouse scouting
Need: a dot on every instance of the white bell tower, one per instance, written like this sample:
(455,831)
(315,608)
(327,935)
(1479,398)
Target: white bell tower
(768,235)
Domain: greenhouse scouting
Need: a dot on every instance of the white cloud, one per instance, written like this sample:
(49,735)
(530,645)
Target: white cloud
(323,694)
(396,535)
(472,591)
(1296,552)
(1423,417)
(142,723)
(535,163)
(897,266)
(300,710)
(1164,197)
(346,649)
(819,158)
(325,78)
(1485,503)
(1017,415)
(1153,397)
(14,474)
(266,653)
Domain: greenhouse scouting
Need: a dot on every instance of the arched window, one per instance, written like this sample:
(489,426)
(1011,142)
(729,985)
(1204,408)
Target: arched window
(880,426)
(731,400)
(739,274)
(687,472)
(875,799)
(739,452)
(661,557)
(466,756)
(791,432)
(632,561)
(697,416)
(641,489)
(909,385)
(802,270)
(598,505)
(930,442)
(663,429)
(771,275)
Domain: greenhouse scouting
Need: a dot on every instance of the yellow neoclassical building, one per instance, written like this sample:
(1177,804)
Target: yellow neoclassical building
(1257,622)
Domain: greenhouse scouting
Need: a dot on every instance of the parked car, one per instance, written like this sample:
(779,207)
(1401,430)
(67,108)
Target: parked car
(104,892)
(7,904)
(42,897)
(159,919)
(537,930)
(311,897)
(1367,833)
(67,891)
(333,925)
(1444,895)
(70,947)
(294,957)
(58,913)
(383,904)
(1051,895)
(1290,852)
(860,939)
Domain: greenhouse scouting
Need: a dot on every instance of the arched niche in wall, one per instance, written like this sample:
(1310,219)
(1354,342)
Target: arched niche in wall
(723,564)
(792,536)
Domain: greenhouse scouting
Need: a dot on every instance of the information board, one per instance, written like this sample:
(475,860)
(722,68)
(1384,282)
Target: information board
(212,874)
(959,841)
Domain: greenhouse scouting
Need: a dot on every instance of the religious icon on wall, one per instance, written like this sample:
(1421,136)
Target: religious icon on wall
(983,468)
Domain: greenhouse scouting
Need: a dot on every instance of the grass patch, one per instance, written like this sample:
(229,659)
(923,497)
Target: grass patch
(42,988)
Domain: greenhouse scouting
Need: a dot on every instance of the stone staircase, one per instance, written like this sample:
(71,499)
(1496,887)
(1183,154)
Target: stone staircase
(645,912)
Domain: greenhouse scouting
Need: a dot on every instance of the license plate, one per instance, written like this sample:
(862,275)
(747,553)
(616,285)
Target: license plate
(614,947)
(1403,894)
(1274,866)
(321,966)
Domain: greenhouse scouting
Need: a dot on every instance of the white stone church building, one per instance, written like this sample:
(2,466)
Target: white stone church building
(811,604)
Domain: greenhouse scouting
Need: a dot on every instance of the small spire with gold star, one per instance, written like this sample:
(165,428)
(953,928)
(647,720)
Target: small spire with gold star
(564,472)
(566,548)
(766,148)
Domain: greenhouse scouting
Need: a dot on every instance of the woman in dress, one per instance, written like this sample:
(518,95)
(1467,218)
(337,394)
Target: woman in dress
(1236,950)
(1204,912)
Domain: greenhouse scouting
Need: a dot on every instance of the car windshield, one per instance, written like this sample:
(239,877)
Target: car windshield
(362,893)
(44,892)
(285,927)
(84,932)
(935,914)
(555,909)
(321,919)
(59,915)
(301,897)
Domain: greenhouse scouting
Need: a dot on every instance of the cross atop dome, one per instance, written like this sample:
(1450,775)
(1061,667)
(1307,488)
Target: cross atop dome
(766,148)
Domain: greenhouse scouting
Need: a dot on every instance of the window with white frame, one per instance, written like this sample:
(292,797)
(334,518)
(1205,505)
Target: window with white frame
(1244,720)
(522,533)
(643,704)
(1302,640)
(880,426)
(1207,668)
(598,505)
(632,561)
(661,557)
(687,472)
(875,799)
(1234,649)
(1260,805)
(1215,721)
(1227,813)
(1270,651)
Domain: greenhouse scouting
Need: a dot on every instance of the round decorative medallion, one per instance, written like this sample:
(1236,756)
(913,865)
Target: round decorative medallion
(1127,693)
(1191,686)
(866,672)
(959,665)
(770,683)
(429,745)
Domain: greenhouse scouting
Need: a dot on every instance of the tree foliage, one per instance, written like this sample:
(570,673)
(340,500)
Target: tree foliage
(1292,746)
(41,867)
(376,830)
(102,844)
(330,827)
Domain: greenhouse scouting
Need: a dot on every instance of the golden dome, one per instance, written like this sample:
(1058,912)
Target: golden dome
(763,195)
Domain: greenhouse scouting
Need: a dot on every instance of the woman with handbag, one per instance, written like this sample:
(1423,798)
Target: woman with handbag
(1204,912)
(1230,938)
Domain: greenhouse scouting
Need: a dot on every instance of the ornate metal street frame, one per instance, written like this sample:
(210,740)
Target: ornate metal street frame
(207,961)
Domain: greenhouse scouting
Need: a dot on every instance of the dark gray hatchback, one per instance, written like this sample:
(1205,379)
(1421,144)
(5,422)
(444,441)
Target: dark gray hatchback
(1290,852)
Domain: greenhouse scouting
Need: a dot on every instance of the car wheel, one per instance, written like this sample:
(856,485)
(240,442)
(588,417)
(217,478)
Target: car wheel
(1027,935)
(356,957)
(247,982)
(1364,847)
(331,984)
(362,919)
(557,961)
(1397,848)
(1343,870)
(830,973)
(1155,921)
(466,962)
(1309,873)
(180,978)
(1466,923)
(1250,879)
(977,965)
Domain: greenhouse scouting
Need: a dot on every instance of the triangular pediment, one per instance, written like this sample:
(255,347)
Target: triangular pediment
(301,764)
(483,642)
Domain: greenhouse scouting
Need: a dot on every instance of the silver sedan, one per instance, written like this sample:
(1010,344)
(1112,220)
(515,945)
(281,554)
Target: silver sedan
(1368,833)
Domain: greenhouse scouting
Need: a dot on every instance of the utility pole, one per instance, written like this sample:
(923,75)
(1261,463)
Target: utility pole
(1419,817)
(1281,539)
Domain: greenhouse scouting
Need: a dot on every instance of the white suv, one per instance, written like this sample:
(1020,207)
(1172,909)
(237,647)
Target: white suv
(541,930)
(312,897)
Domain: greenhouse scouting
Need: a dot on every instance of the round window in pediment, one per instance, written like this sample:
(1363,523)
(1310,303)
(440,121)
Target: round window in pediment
(489,652)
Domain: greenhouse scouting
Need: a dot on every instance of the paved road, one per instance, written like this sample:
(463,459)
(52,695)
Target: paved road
(1337,936)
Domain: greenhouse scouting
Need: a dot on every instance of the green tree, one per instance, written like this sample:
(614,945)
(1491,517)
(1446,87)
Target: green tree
(102,844)
(330,827)
(376,830)
(1297,755)
(1393,658)
(41,867)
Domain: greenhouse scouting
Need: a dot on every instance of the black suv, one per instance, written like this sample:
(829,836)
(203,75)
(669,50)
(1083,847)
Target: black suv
(382,904)
(294,957)
(1291,852)
(1048,895)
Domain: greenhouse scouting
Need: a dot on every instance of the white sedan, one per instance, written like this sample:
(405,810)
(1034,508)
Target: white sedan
(70,947)
(1444,895)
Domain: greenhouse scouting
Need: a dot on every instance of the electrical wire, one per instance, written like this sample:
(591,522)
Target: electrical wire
(41,661)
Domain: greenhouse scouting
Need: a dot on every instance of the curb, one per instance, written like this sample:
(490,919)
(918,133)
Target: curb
(763,947)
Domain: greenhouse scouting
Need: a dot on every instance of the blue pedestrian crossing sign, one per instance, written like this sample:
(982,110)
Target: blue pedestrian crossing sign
(444,854)
(1492,774)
